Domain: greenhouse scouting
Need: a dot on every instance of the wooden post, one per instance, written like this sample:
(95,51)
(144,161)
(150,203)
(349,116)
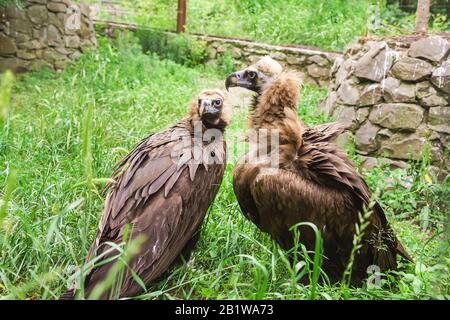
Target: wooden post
(422,15)
(181,16)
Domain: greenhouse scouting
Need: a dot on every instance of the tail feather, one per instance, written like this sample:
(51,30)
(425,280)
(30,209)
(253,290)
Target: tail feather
(403,253)
(68,295)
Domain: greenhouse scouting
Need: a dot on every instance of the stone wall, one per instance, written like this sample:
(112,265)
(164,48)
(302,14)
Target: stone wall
(44,32)
(313,64)
(395,96)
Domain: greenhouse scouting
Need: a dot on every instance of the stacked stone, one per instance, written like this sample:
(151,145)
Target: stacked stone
(395,97)
(313,64)
(44,32)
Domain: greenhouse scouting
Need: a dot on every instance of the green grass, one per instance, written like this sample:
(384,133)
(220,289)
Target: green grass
(66,131)
(328,24)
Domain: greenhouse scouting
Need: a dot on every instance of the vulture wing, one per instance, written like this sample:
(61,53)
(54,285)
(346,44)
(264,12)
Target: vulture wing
(160,199)
(324,132)
(320,186)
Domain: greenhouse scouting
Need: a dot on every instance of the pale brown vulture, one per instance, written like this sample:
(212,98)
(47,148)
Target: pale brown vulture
(314,182)
(163,189)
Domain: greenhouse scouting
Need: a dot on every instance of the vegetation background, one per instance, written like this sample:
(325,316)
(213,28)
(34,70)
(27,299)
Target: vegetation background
(329,24)
(61,134)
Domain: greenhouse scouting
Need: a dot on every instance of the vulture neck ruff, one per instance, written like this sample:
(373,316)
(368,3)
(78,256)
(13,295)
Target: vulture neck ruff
(276,109)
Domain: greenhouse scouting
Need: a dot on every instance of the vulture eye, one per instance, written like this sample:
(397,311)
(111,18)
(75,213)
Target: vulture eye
(217,102)
(199,102)
(252,74)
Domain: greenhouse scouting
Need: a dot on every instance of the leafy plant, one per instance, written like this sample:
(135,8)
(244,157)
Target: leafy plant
(182,48)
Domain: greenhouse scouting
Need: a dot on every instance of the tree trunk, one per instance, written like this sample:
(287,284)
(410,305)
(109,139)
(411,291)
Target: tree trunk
(422,15)
(181,16)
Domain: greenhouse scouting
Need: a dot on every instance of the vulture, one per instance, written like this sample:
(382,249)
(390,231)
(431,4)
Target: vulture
(161,192)
(313,181)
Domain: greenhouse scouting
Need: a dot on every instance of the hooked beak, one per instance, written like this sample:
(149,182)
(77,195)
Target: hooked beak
(236,79)
(209,111)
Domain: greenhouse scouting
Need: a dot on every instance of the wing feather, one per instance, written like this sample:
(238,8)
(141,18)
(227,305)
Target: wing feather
(162,200)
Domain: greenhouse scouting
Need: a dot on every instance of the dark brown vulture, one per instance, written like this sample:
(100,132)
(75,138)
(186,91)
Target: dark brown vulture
(314,181)
(162,191)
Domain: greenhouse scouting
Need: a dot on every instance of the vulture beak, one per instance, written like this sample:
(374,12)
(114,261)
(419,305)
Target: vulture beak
(208,110)
(236,79)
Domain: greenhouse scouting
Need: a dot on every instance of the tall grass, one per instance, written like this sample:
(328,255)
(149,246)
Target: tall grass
(5,91)
(329,24)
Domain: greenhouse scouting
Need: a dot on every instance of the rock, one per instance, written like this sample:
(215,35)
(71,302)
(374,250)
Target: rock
(441,77)
(345,115)
(33,44)
(236,53)
(369,163)
(343,71)
(21,38)
(344,140)
(293,60)
(422,88)
(72,41)
(13,12)
(336,65)
(53,36)
(370,95)
(402,146)
(278,56)
(329,103)
(60,64)
(26,54)
(411,69)
(222,48)
(438,173)
(429,97)
(85,9)
(317,72)
(57,7)
(396,91)
(75,55)
(426,132)
(433,48)
(347,93)
(253,59)
(319,60)
(39,33)
(37,14)
(365,138)
(397,115)
(52,55)
(56,22)
(212,52)
(85,45)
(352,48)
(19,26)
(14,64)
(361,114)
(332,57)
(7,45)
(375,64)
(439,119)
(64,50)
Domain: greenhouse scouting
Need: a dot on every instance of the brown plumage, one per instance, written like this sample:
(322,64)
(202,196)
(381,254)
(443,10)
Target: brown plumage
(163,189)
(315,181)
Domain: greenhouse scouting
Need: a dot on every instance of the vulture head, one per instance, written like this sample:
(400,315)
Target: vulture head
(256,76)
(210,107)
